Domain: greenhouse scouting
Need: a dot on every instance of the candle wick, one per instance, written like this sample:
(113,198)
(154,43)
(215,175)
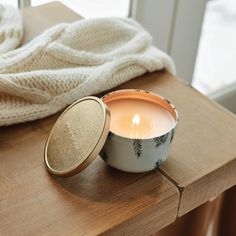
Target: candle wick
(135,120)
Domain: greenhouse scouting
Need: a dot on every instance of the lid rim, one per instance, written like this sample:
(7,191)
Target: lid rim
(94,152)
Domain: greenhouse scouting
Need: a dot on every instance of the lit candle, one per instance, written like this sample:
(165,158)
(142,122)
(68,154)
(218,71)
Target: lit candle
(142,127)
(139,118)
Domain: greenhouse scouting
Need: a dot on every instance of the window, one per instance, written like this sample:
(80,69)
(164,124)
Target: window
(13,3)
(215,65)
(94,8)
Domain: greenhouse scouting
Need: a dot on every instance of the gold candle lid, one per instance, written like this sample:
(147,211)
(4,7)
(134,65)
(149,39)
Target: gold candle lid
(77,137)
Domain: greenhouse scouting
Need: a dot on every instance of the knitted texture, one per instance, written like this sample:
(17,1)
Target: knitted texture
(70,61)
(11,30)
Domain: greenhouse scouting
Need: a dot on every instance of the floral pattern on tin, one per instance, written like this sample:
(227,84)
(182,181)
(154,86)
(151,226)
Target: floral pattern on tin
(137,144)
(160,140)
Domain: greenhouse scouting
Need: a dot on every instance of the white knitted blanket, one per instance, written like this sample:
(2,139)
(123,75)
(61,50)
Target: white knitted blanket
(70,61)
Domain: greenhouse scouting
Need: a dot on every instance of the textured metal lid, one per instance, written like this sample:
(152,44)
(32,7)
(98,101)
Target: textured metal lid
(77,137)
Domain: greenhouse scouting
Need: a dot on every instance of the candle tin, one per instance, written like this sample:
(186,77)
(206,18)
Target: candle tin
(82,132)
(138,155)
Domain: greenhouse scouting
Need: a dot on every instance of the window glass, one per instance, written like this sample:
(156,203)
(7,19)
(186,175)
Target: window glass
(216,61)
(94,8)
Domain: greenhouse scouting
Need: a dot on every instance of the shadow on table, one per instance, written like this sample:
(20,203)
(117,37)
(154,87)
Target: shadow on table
(101,183)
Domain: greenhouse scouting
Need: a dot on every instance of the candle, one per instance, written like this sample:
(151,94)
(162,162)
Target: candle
(138,118)
(142,127)
(132,130)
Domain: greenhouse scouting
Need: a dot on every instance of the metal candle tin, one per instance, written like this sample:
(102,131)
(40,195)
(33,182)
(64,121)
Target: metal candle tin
(138,155)
(83,131)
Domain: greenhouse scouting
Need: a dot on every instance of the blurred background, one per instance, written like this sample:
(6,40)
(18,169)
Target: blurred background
(199,35)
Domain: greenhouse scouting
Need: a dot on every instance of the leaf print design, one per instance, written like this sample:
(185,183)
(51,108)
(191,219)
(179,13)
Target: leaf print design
(137,144)
(160,140)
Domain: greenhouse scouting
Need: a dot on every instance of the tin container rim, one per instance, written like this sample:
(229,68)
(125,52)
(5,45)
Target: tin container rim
(168,106)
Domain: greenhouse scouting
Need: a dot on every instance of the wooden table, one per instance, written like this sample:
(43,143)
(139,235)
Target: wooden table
(101,200)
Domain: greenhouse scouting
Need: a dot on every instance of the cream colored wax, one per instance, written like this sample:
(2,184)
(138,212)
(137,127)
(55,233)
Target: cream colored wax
(141,119)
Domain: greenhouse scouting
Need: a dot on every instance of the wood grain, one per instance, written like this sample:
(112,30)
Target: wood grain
(100,200)
(202,161)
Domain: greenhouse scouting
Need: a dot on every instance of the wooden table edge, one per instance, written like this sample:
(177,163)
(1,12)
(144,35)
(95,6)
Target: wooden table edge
(148,218)
(195,194)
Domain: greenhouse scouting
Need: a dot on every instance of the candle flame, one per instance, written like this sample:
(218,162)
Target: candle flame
(136,119)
